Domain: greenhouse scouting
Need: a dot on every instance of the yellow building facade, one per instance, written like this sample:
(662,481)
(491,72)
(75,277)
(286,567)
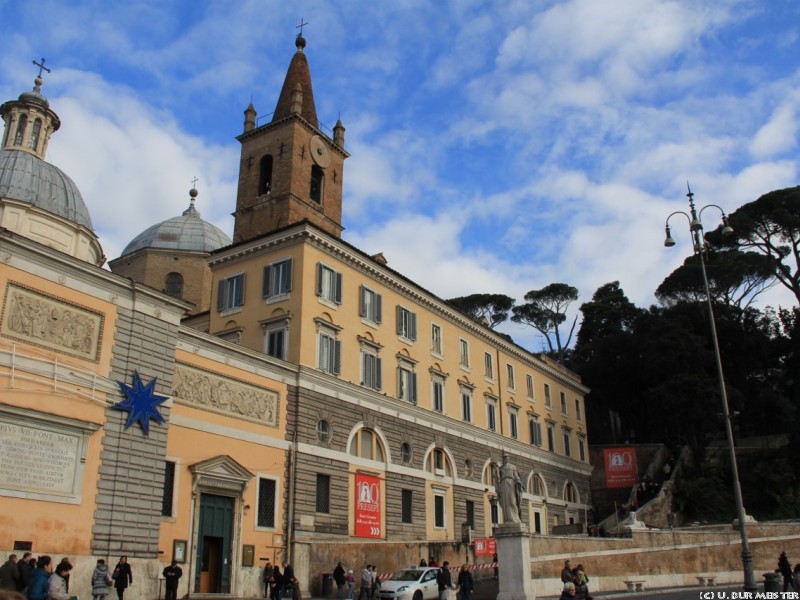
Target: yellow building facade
(316,406)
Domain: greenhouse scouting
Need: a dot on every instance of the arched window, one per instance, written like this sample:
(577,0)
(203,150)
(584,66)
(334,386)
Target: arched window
(37,129)
(367,444)
(405,452)
(439,463)
(570,493)
(173,285)
(317,181)
(265,175)
(20,135)
(536,485)
(324,432)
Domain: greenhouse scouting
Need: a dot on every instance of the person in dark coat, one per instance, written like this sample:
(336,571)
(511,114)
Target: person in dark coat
(268,579)
(39,587)
(123,577)
(288,580)
(172,575)
(9,574)
(25,571)
(338,577)
(277,583)
(444,581)
(568,593)
(785,569)
(464,582)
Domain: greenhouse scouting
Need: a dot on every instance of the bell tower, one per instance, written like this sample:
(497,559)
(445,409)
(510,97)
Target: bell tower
(290,170)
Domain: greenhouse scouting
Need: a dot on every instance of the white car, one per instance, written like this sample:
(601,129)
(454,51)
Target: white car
(418,583)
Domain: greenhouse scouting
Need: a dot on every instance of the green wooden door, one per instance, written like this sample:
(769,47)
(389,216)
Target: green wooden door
(214,537)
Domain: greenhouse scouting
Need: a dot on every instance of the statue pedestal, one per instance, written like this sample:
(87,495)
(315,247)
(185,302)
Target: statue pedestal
(514,558)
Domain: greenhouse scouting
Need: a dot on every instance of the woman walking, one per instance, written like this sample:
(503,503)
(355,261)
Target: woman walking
(123,576)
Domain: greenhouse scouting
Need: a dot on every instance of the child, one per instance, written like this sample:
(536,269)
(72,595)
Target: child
(100,580)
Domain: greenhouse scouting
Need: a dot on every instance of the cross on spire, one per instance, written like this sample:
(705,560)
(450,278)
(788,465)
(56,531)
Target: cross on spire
(43,68)
(194,182)
(300,27)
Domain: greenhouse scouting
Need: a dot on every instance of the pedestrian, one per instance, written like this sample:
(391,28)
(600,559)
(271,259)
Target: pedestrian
(785,569)
(432,562)
(376,582)
(122,576)
(496,566)
(796,577)
(57,584)
(351,585)
(580,580)
(172,576)
(568,592)
(65,562)
(101,580)
(423,562)
(465,583)
(25,570)
(566,572)
(277,583)
(339,578)
(9,574)
(267,578)
(39,587)
(444,581)
(366,583)
(289,581)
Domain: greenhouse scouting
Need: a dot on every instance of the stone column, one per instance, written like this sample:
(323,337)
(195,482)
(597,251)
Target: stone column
(514,559)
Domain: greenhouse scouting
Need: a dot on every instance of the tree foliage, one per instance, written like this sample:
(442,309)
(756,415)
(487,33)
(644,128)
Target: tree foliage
(734,278)
(492,307)
(546,310)
(771,227)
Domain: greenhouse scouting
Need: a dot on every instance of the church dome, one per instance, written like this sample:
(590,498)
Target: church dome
(188,232)
(27,178)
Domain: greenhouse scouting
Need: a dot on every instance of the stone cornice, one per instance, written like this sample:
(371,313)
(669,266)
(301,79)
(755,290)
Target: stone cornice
(305,232)
(286,120)
(62,269)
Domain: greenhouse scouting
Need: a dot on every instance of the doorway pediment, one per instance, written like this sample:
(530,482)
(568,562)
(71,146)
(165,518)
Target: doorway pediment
(221,472)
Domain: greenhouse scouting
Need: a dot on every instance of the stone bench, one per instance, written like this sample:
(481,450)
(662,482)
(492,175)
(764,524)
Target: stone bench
(707,580)
(634,585)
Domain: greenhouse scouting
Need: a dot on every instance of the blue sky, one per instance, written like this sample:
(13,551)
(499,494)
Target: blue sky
(495,146)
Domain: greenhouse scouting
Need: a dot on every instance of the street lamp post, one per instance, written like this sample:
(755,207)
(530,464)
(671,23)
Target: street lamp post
(698,242)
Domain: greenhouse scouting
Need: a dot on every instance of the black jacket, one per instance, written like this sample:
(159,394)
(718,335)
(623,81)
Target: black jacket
(444,579)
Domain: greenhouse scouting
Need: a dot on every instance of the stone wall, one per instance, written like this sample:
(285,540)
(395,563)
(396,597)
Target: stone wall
(662,558)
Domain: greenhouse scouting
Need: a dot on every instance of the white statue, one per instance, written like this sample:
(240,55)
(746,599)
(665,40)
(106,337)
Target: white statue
(509,489)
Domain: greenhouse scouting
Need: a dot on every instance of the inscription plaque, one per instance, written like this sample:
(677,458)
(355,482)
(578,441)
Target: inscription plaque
(34,459)
(42,455)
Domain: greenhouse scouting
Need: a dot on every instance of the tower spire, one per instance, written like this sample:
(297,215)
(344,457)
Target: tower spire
(298,74)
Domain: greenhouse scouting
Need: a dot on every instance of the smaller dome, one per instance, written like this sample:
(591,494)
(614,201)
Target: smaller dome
(188,232)
(30,179)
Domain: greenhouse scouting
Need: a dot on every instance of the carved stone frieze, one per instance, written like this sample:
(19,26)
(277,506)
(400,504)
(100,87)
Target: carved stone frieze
(44,320)
(219,394)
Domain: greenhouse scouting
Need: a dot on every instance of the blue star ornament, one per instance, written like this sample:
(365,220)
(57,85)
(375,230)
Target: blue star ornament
(140,402)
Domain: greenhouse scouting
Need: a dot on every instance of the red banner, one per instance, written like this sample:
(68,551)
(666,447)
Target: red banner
(484,546)
(620,466)
(368,506)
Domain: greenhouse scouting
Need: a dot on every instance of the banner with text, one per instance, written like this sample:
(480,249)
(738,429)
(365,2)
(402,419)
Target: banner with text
(485,546)
(620,466)
(368,506)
